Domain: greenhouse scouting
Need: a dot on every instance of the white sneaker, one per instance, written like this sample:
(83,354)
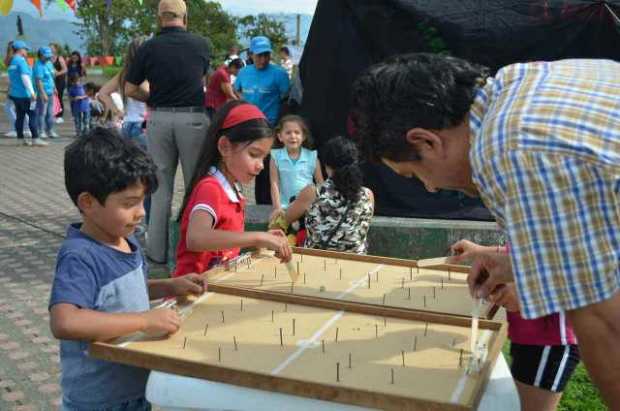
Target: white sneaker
(53,134)
(39,143)
(42,134)
(60,120)
(27,133)
(26,142)
(11,134)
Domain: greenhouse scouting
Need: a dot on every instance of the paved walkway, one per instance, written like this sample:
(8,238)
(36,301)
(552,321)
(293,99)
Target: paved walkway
(34,213)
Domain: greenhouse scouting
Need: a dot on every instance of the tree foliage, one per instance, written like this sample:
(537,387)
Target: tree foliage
(263,25)
(108,28)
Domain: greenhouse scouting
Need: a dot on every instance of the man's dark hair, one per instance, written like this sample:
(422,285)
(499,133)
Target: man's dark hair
(236,63)
(408,91)
(103,163)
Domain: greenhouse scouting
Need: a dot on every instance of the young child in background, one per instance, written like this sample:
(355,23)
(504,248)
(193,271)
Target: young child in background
(213,211)
(101,289)
(80,105)
(96,108)
(339,217)
(292,168)
(544,351)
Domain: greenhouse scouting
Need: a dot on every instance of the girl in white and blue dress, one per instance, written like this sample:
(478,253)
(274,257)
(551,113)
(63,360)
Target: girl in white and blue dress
(294,166)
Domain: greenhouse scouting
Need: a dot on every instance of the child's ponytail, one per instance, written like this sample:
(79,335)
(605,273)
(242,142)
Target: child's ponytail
(342,156)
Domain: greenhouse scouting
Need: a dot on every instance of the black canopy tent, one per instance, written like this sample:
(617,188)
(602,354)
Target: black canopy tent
(347,36)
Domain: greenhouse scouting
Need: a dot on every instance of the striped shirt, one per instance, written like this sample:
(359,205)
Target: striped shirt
(545,156)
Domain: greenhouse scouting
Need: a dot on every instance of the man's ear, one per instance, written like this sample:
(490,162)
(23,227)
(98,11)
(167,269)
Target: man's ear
(425,142)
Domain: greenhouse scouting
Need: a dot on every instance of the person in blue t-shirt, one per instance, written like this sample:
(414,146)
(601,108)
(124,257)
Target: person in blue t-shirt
(43,73)
(266,86)
(80,105)
(22,93)
(101,290)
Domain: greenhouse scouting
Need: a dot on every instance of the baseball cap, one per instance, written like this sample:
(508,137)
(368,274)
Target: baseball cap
(176,7)
(20,44)
(46,52)
(260,44)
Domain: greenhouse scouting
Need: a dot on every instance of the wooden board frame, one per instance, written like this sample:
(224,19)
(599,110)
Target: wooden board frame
(489,314)
(346,395)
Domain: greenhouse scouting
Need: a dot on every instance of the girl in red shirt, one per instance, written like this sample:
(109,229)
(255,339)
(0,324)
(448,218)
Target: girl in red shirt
(212,215)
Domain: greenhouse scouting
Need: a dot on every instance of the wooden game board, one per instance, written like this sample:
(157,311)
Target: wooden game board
(361,278)
(348,352)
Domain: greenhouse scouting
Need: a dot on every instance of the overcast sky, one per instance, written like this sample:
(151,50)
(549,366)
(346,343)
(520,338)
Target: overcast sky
(232,6)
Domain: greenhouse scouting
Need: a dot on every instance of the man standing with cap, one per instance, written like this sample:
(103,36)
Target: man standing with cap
(174,62)
(23,95)
(266,86)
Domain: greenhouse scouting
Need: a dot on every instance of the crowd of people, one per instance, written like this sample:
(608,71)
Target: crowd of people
(551,181)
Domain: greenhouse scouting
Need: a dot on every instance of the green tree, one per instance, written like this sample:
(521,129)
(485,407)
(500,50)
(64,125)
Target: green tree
(263,25)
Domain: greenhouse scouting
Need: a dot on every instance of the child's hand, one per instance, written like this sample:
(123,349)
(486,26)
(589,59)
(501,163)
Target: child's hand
(505,296)
(160,322)
(193,283)
(275,240)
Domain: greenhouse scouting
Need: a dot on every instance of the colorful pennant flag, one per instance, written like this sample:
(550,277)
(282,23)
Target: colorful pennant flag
(37,4)
(5,7)
(71,3)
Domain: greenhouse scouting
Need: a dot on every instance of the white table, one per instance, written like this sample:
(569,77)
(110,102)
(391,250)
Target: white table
(176,393)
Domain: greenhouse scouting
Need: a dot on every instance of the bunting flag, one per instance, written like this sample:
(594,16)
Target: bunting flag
(5,7)
(71,3)
(37,4)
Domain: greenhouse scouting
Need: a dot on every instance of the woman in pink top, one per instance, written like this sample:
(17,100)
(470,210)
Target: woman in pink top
(544,351)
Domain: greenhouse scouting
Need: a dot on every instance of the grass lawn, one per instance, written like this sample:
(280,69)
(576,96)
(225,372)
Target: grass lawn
(580,394)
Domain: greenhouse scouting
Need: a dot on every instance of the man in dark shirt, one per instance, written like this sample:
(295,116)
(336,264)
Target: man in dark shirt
(174,63)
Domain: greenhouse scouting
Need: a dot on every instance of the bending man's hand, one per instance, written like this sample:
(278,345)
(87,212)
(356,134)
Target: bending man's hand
(488,271)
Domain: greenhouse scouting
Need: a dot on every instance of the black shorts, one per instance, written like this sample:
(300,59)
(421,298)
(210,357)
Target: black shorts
(544,366)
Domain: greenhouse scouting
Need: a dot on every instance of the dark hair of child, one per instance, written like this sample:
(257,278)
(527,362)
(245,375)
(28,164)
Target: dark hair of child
(92,87)
(236,63)
(293,118)
(342,156)
(74,78)
(244,133)
(103,163)
(285,50)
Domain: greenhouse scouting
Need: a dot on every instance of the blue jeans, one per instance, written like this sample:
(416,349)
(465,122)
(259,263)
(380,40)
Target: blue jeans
(23,109)
(45,114)
(132,130)
(140,404)
(82,122)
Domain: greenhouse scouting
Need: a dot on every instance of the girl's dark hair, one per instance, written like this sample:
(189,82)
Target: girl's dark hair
(244,133)
(341,155)
(293,118)
(78,63)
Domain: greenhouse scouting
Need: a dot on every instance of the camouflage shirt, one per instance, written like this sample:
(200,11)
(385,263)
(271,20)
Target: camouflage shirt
(326,213)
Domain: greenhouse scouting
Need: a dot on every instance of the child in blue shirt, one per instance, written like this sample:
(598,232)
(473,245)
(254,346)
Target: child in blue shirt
(100,289)
(80,105)
(292,167)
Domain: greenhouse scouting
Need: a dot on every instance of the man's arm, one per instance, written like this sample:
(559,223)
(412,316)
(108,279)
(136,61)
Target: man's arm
(136,92)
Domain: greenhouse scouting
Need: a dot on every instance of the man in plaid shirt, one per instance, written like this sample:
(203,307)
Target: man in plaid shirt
(540,144)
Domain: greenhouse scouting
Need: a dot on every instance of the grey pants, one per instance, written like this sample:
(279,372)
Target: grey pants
(171,136)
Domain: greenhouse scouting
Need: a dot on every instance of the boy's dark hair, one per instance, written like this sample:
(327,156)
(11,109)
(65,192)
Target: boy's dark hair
(90,86)
(342,156)
(423,90)
(243,133)
(103,163)
(285,50)
(236,63)
(74,78)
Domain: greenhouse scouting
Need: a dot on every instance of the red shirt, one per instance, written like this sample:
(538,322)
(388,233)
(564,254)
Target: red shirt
(214,195)
(215,96)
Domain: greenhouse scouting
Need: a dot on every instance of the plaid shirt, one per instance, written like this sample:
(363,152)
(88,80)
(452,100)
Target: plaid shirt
(545,156)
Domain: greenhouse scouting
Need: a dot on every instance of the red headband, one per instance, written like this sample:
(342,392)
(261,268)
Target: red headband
(241,114)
